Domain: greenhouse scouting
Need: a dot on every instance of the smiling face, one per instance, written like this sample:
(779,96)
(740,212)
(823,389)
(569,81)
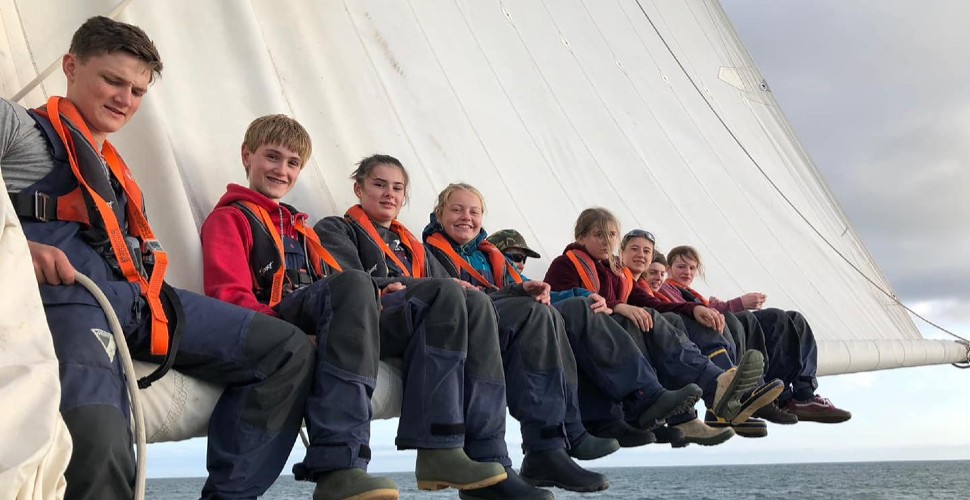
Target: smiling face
(272,170)
(106,89)
(599,245)
(382,193)
(637,255)
(461,216)
(683,269)
(656,275)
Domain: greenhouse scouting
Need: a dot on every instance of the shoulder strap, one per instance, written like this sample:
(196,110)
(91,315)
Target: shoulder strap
(626,284)
(501,267)
(438,241)
(268,249)
(418,258)
(586,268)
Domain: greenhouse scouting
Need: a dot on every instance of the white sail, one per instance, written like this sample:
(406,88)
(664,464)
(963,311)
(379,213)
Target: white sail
(652,109)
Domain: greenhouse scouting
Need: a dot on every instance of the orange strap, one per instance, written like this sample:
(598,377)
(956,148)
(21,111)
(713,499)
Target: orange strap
(700,298)
(626,284)
(586,269)
(497,262)
(150,288)
(317,252)
(407,239)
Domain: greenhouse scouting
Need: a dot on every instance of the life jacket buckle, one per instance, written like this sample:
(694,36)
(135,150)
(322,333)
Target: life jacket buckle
(41,203)
(148,249)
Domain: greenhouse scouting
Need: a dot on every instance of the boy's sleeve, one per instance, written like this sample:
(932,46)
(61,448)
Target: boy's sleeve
(226,273)
(733,305)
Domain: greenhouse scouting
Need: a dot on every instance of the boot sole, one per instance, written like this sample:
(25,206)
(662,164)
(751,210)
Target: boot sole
(749,369)
(382,494)
(750,407)
(547,483)
(440,484)
(825,420)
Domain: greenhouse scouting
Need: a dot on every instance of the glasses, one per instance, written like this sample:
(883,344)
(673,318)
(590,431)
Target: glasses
(518,258)
(638,233)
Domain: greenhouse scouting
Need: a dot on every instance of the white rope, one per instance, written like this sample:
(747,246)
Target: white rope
(131,380)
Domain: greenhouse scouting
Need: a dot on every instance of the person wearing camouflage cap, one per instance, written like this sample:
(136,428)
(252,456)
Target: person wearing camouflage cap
(513,245)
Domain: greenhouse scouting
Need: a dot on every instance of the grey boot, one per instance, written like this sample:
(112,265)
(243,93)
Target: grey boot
(353,484)
(451,468)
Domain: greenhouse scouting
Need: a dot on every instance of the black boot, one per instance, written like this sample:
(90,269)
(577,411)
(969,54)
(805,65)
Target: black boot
(513,487)
(555,468)
(590,447)
(652,414)
(671,435)
(627,435)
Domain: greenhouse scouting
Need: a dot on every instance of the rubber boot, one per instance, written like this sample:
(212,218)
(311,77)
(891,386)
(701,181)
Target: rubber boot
(668,434)
(451,468)
(513,487)
(353,484)
(555,468)
(590,447)
(649,415)
(624,433)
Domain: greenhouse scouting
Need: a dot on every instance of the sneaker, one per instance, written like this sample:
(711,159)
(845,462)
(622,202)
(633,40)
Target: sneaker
(750,428)
(817,409)
(733,383)
(624,433)
(757,399)
(353,483)
(650,415)
(774,414)
(699,432)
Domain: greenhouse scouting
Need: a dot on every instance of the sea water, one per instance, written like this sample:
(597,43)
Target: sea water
(842,481)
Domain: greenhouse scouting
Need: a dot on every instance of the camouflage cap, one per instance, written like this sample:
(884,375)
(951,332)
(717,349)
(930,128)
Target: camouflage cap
(507,239)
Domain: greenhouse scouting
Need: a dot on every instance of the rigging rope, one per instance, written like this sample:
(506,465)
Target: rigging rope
(757,165)
(131,381)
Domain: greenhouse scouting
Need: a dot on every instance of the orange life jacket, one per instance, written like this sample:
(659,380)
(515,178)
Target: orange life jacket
(586,268)
(319,256)
(680,286)
(76,207)
(496,259)
(413,245)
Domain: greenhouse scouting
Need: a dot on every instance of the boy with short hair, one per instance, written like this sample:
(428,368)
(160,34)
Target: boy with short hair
(82,212)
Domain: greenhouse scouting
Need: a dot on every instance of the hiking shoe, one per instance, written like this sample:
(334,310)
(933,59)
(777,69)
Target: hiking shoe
(696,431)
(513,487)
(760,397)
(774,414)
(590,447)
(555,468)
(451,468)
(668,434)
(649,415)
(733,383)
(353,484)
(750,428)
(624,433)
(817,409)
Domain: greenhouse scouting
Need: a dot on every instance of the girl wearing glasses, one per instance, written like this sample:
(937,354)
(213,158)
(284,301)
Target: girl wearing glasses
(589,262)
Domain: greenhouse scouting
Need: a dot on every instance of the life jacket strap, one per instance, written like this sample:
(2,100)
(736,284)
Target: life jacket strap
(37,205)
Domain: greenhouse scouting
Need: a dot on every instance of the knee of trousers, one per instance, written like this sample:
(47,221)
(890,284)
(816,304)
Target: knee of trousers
(102,462)
(537,337)
(484,354)
(353,285)
(283,353)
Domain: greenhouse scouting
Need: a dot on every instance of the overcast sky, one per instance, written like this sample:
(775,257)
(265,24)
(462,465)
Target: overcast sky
(877,92)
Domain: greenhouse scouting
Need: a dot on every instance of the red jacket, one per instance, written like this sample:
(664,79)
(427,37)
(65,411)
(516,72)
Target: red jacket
(227,241)
(562,275)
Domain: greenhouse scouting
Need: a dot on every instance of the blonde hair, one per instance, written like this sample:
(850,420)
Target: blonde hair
(686,252)
(599,219)
(439,208)
(279,130)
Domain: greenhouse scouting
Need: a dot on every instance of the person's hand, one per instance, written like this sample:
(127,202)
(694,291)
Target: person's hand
(638,315)
(599,304)
(51,266)
(393,287)
(464,284)
(753,300)
(539,290)
(709,318)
